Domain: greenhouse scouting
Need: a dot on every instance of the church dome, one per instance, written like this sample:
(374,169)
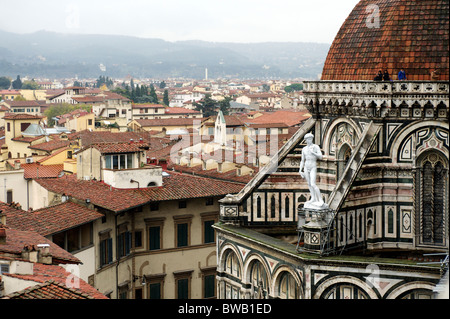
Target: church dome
(392,34)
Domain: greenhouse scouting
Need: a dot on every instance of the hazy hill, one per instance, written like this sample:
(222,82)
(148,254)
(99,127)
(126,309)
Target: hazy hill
(50,54)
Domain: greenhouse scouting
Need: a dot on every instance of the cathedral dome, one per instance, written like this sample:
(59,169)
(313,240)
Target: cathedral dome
(392,34)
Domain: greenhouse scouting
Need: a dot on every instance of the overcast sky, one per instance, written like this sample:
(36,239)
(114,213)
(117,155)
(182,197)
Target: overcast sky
(174,20)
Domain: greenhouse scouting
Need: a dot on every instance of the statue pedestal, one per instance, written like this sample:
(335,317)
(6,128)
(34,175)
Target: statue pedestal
(315,226)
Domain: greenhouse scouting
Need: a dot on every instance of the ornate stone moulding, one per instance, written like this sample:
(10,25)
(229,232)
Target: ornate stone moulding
(400,99)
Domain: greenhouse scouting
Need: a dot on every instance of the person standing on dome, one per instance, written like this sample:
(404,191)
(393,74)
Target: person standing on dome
(379,76)
(401,75)
(386,76)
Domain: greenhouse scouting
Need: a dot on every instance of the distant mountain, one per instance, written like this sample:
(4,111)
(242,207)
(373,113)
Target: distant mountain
(55,55)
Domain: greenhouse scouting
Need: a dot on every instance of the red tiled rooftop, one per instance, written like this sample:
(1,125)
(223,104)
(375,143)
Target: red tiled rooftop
(168,122)
(35,170)
(49,220)
(148,106)
(17,239)
(180,110)
(89,137)
(120,147)
(50,145)
(48,290)
(21,116)
(290,118)
(175,187)
(413,35)
(23,103)
(43,273)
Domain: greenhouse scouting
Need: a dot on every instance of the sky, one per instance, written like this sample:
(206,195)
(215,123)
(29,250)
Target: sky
(241,21)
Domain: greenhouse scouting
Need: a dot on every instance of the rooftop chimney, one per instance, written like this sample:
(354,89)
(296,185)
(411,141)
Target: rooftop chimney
(2,218)
(44,254)
(2,235)
(2,228)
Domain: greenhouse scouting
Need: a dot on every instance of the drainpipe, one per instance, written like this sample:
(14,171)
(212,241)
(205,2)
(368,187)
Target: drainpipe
(133,181)
(117,257)
(28,195)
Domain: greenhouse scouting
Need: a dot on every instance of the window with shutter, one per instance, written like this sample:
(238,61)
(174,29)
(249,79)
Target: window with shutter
(182,235)
(154,237)
(431,190)
(183,288)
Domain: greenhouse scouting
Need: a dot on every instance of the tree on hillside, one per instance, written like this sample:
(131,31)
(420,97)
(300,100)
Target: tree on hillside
(153,93)
(104,80)
(166,100)
(207,106)
(17,83)
(224,105)
(5,82)
(62,108)
(294,87)
(30,85)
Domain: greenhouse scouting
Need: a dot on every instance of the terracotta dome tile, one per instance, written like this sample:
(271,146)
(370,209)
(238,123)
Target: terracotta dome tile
(413,35)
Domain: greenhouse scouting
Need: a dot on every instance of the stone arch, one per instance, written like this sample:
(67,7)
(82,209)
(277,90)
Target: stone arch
(223,254)
(342,156)
(431,197)
(344,280)
(247,271)
(409,287)
(277,277)
(142,268)
(330,130)
(211,259)
(399,139)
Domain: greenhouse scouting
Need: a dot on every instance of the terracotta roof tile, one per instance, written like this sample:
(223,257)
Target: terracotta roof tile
(180,110)
(120,147)
(43,273)
(21,116)
(413,35)
(168,122)
(289,118)
(50,145)
(48,290)
(35,170)
(17,239)
(175,187)
(49,220)
(89,137)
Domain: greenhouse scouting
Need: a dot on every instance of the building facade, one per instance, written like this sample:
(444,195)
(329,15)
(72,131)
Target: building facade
(384,176)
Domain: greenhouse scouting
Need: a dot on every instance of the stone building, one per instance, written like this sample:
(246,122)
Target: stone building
(384,173)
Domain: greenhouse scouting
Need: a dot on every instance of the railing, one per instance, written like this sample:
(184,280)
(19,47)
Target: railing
(403,99)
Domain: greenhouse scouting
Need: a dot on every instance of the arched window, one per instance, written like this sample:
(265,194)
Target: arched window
(344,291)
(341,229)
(272,207)
(258,207)
(287,286)
(286,206)
(301,201)
(360,226)
(431,190)
(351,227)
(259,280)
(390,218)
(232,266)
(344,155)
(417,294)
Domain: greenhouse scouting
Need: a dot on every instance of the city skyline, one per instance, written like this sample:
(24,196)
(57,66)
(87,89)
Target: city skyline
(175,20)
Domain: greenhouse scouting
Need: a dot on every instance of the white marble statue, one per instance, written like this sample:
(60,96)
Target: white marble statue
(308,170)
